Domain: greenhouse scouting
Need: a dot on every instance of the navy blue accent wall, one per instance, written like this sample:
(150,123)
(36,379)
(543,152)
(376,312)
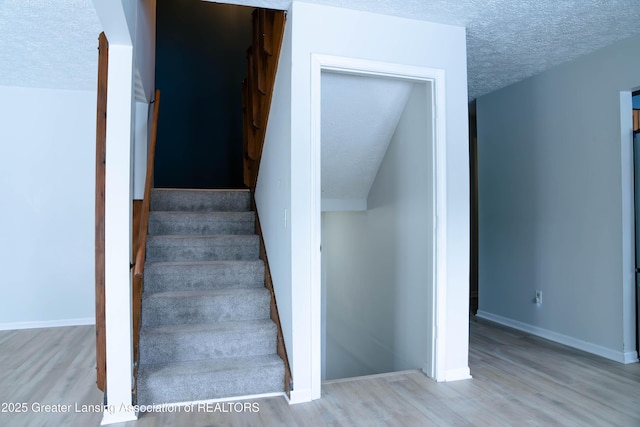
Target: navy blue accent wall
(200,64)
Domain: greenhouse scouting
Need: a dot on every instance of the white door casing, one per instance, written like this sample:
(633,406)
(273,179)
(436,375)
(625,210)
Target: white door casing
(434,365)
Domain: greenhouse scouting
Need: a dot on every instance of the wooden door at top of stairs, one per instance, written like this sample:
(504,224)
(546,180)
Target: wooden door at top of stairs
(101,139)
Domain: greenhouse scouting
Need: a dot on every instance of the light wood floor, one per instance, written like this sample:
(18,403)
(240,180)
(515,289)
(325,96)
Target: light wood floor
(48,366)
(518,380)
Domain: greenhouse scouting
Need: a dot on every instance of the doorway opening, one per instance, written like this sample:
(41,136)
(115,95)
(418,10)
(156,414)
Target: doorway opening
(473,204)
(630,228)
(377,234)
(378,173)
(636,173)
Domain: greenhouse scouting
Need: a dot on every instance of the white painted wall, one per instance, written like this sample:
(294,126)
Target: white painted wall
(141,25)
(379,263)
(273,190)
(555,202)
(145,46)
(47,181)
(285,173)
(134,24)
(140,148)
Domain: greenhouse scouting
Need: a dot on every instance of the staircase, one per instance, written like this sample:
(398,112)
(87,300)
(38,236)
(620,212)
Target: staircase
(206,331)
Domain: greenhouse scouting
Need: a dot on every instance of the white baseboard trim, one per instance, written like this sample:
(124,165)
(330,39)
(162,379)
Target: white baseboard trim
(113,417)
(427,370)
(369,377)
(47,324)
(588,347)
(631,357)
(233,399)
(300,396)
(457,374)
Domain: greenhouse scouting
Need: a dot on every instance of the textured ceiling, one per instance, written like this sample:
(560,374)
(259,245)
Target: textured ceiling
(48,44)
(510,40)
(52,44)
(359,116)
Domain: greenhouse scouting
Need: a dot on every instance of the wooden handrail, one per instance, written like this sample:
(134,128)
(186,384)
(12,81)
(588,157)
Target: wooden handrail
(138,270)
(262,63)
(101,147)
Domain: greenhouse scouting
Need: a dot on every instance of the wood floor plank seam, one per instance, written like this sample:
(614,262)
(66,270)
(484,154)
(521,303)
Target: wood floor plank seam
(518,379)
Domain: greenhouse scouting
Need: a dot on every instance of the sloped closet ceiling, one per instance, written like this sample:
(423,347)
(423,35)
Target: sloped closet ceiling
(359,116)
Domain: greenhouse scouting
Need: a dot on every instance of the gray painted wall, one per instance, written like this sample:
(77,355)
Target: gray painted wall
(377,263)
(554,176)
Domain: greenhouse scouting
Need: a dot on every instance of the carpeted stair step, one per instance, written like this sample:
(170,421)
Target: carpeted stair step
(206,329)
(192,307)
(201,223)
(182,343)
(200,200)
(203,248)
(211,379)
(189,276)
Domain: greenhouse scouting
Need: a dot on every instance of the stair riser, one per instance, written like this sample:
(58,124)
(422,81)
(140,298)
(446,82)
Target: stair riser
(200,201)
(193,310)
(166,348)
(199,386)
(161,278)
(239,248)
(167,224)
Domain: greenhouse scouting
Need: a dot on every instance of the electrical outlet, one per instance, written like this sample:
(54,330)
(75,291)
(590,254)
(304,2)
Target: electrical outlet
(538,299)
